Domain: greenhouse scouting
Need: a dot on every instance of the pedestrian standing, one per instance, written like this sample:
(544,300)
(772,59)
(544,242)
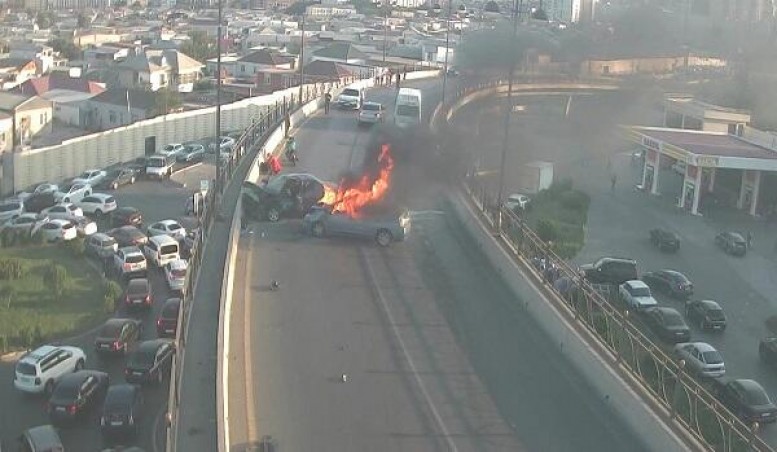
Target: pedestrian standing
(287,125)
(749,239)
(327,101)
(398,79)
(613,180)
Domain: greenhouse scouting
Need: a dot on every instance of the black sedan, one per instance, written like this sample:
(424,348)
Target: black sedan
(667,324)
(150,362)
(36,202)
(746,399)
(128,236)
(127,216)
(118,336)
(732,243)
(138,294)
(116,178)
(665,240)
(76,393)
(767,350)
(671,282)
(167,323)
(707,314)
(289,195)
(122,410)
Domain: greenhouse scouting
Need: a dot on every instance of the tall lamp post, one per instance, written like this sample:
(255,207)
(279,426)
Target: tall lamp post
(447,49)
(385,29)
(508,107)
(217,141)
(302,59)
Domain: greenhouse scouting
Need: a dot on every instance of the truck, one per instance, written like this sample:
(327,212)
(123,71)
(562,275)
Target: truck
(321,221)
(534,177)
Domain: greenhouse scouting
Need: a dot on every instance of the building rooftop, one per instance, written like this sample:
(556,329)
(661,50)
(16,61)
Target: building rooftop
(708,143)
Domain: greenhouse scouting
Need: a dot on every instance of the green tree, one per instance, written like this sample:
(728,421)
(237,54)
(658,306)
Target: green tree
(200,46)
(166,101)
(66,48)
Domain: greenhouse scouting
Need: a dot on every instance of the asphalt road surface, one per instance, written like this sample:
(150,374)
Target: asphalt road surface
(437,353)
(157,201)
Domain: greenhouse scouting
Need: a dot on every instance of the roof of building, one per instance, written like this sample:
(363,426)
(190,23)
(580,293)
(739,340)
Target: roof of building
(57,81)
(341,51)
(264,56)
(708,143)
(9,101)
(320,68)
(16,63)
(138,99)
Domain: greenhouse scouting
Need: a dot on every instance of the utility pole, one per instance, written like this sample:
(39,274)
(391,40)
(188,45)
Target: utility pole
(302,59)
(217,141)
(447,49)
(385,29)
(508,107)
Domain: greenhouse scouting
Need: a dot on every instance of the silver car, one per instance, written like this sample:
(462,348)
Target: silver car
(371,113)
(321,222)
(701,359)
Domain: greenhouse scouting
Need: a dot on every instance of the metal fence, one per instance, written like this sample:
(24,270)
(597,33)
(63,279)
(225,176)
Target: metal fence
(252,138)
(690,404)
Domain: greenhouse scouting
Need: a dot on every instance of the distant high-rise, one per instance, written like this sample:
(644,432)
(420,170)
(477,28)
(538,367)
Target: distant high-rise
(570,11)
(42,5)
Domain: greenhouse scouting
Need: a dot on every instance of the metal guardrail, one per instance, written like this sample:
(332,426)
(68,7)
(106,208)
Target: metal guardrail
(254,136)
(689,404)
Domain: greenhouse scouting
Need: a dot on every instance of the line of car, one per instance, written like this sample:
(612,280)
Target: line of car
(746,398)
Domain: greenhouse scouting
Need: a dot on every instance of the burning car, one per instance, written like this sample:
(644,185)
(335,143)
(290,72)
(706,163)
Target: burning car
(286,195)
(323,221)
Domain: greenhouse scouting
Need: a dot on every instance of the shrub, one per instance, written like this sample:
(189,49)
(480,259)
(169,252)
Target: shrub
(566,250)
(55,277)
(7,238)
(12,268)
(547,230)
(575,200)
(111,289)
(109,304)
(8,295)
(37,238)
(76,246)
(556,188)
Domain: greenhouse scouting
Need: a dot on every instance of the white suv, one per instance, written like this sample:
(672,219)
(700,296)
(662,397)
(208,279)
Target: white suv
(98,204)
(130,260)
(39,370)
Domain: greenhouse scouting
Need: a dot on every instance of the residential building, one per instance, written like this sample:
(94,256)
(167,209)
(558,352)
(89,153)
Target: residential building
(14,71)
(250,65)
(6,132)
(30,115)
(325,71)
(104,55)
(67,95)
(271,4)
(660,64)
(155,69)
(341,52)
(83,38)
(321,11)
(43,55)
(119,107)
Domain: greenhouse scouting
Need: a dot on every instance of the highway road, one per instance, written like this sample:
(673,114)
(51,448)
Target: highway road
(438,353)
(157,201)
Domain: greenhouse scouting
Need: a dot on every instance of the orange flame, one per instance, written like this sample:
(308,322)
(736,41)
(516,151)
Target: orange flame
(353,198)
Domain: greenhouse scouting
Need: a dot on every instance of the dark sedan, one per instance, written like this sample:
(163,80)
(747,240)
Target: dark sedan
(36,202)
(746,399)
(732,243)
(670,282)
(667,324)
(128,236)
(127,216)
(150,362)
(707,314)
(118,336)
(167,323)
(138,294)
(116,178)
(767,350)
(122,410)
(665,240)
(76,393)
(286,195)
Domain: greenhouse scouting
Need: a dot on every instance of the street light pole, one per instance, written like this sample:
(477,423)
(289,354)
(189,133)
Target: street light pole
(447,49)
(217,141)
(508,107)
(302,59)
(385,29)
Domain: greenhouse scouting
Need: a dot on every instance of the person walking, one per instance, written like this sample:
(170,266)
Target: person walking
(327,101)
(286,125)
(399,77)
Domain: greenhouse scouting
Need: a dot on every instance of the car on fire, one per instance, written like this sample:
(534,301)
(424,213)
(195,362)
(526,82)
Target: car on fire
(322,222)
(286,195)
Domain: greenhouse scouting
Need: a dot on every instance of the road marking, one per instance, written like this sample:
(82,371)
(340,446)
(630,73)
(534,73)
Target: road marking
(417,375)
(249,388)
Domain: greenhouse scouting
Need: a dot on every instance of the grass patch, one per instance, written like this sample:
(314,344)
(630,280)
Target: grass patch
(559,214)
(30,310)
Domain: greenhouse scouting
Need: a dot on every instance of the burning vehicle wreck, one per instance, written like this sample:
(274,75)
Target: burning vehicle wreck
(286,195)
(323,222)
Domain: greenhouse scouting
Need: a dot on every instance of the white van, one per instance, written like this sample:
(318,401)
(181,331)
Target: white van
(162,249)
(407,110)
(159,166)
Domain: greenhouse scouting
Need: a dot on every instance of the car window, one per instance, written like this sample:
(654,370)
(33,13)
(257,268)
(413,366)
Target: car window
(672,319)
(371,107)
(639,291)
(715,314)
(169,249)
(51,226)
(67,392)
(26,368)
(351,92)
(174,227)
(141,359)
(712,357)
(756,397)
(178,273)
(139,287)
(9,207)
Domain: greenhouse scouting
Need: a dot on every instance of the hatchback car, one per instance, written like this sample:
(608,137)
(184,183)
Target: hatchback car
(63,210)
(191,153)
(90,177)
(74,193)
(39,201)
(167,323)
(671,282)
(610,270)
(118,336)
(98,204)
(75,394)
(101,245)
(116,178)
(665,240)
(167,227)
(122,411)
(126,216)
(371,113)
(747,399)
(667,324)
(130,261)
(138,294)
(636,295)
(150,362)
(11,209)
(732,243)
(43,438)
(517,202)
(39,370)
(707,314)
(59,231)
(701,359)
(26,222)
(171,149)
(175,274)
(128,236)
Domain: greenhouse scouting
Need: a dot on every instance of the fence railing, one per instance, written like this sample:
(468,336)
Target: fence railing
(690,404)
(253,137)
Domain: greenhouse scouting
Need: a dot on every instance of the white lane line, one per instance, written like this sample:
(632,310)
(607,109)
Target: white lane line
(410,362)
(249,388)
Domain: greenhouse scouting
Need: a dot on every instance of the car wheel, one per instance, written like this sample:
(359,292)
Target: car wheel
(98,213)
(65,199)
(273,214)
(79,365)
(49,388)
(318,229)
(383,237)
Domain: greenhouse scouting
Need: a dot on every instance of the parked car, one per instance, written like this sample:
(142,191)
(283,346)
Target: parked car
(74,193)
(130,261)
(160,166)
(11,209)
(43,438)
(36,202)
(225,144)
(76,393)
(166,227)
(46,188)
(747,399)
(707,314)
(668,324)
(101,245)
(150,362)
(175,274)
(138,166)
(517,202)
(610,270)
(665,240)
(26,222)
(767,350)
(128,236)
(90,177)
(122,411)
(171,149)
(138,294)
(671,282)
(67,209)
(191,153)
(118,336)
(39,370)
(321,222)
(85,226)
(701,359)
(98,204)
(286,195)
(57,230)
(126,216)
(116,178)
(636,295)
(167,323)
(371,113)
(732,243)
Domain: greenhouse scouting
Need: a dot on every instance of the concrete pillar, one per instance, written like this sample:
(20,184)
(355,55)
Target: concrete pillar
(742,190)
(656,171)
(682,121)
(696,191)
(666,116)
(711,186)
(756,192)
